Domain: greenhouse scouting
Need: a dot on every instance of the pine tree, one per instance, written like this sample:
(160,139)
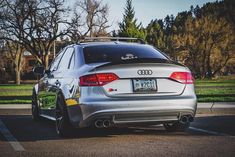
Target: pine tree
(129,27)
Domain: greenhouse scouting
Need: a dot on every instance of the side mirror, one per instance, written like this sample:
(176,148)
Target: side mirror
(39,70)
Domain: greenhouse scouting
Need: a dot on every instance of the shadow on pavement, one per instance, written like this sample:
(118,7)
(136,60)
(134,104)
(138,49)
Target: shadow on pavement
(25,129)
(218,123)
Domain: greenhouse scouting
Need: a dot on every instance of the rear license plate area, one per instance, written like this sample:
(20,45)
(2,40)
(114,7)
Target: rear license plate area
(144,85)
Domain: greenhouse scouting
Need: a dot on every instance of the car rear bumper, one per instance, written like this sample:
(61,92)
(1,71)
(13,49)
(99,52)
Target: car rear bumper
(158,110)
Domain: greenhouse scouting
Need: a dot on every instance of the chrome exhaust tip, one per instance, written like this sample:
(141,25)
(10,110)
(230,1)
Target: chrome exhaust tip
(190,119)
(184,119)
(106,123)
(98,123)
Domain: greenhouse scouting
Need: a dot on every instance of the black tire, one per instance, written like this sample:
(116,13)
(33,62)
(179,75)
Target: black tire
(63,126)
(35,109)
(177,126)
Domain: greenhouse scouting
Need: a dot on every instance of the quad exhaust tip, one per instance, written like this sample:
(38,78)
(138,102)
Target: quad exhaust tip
(186,119)
(190,119)
(98,123)
(102,123)
(106,123)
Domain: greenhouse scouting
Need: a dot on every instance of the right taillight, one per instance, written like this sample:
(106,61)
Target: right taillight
(182,77)
(99,79)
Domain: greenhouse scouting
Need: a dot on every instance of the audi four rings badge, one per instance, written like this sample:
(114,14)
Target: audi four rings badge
(145,72)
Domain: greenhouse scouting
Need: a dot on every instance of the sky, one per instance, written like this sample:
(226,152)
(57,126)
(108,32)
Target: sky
(146,10)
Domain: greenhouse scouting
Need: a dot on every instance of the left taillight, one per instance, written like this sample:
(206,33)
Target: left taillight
(182,77)
(98,79)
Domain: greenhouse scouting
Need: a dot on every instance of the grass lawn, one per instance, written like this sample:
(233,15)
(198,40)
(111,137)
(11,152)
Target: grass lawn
(221,89)
(16,87)
(15,94)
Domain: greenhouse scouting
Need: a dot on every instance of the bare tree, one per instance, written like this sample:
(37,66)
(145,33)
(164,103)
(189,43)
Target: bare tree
(90,18)
(10,27)
(15,53)
(46,27)
(34,24)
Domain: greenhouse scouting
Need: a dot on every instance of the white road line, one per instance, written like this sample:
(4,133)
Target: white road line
(209,132)
(10,138)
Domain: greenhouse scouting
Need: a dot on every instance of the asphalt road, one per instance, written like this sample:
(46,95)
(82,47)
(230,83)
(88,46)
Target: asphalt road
(210,135)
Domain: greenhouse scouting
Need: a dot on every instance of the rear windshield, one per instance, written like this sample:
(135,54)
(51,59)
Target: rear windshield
(120,53)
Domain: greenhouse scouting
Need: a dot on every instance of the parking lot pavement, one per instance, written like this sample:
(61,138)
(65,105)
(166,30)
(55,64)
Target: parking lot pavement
(210,135)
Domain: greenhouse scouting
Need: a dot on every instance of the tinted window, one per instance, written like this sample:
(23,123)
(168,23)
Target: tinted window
(56,61)
(72,62)
(65,60)
(116,53)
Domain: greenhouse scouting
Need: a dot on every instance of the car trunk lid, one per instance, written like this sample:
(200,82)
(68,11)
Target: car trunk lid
(141,79)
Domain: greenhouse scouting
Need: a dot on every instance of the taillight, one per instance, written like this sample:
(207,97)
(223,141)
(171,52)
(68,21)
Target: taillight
(182,77)
(99,79)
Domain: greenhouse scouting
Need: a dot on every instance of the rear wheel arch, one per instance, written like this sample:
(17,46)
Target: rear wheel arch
(68,90)
(73,112)
(61,95)
(63,124)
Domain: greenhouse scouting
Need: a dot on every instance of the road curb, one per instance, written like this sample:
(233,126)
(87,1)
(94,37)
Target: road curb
(15,106)
(216,105)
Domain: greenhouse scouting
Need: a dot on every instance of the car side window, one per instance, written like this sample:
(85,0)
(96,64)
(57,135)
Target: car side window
(72,62)
(55,62)
(65,60)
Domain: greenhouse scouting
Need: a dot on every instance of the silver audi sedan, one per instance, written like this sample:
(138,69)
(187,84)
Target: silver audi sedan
(113,84)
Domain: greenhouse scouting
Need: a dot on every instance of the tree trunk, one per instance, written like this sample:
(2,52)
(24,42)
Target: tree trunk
(18,59)
(221,66)
(209,71)
(46,61)
(18,78)
(203,64)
